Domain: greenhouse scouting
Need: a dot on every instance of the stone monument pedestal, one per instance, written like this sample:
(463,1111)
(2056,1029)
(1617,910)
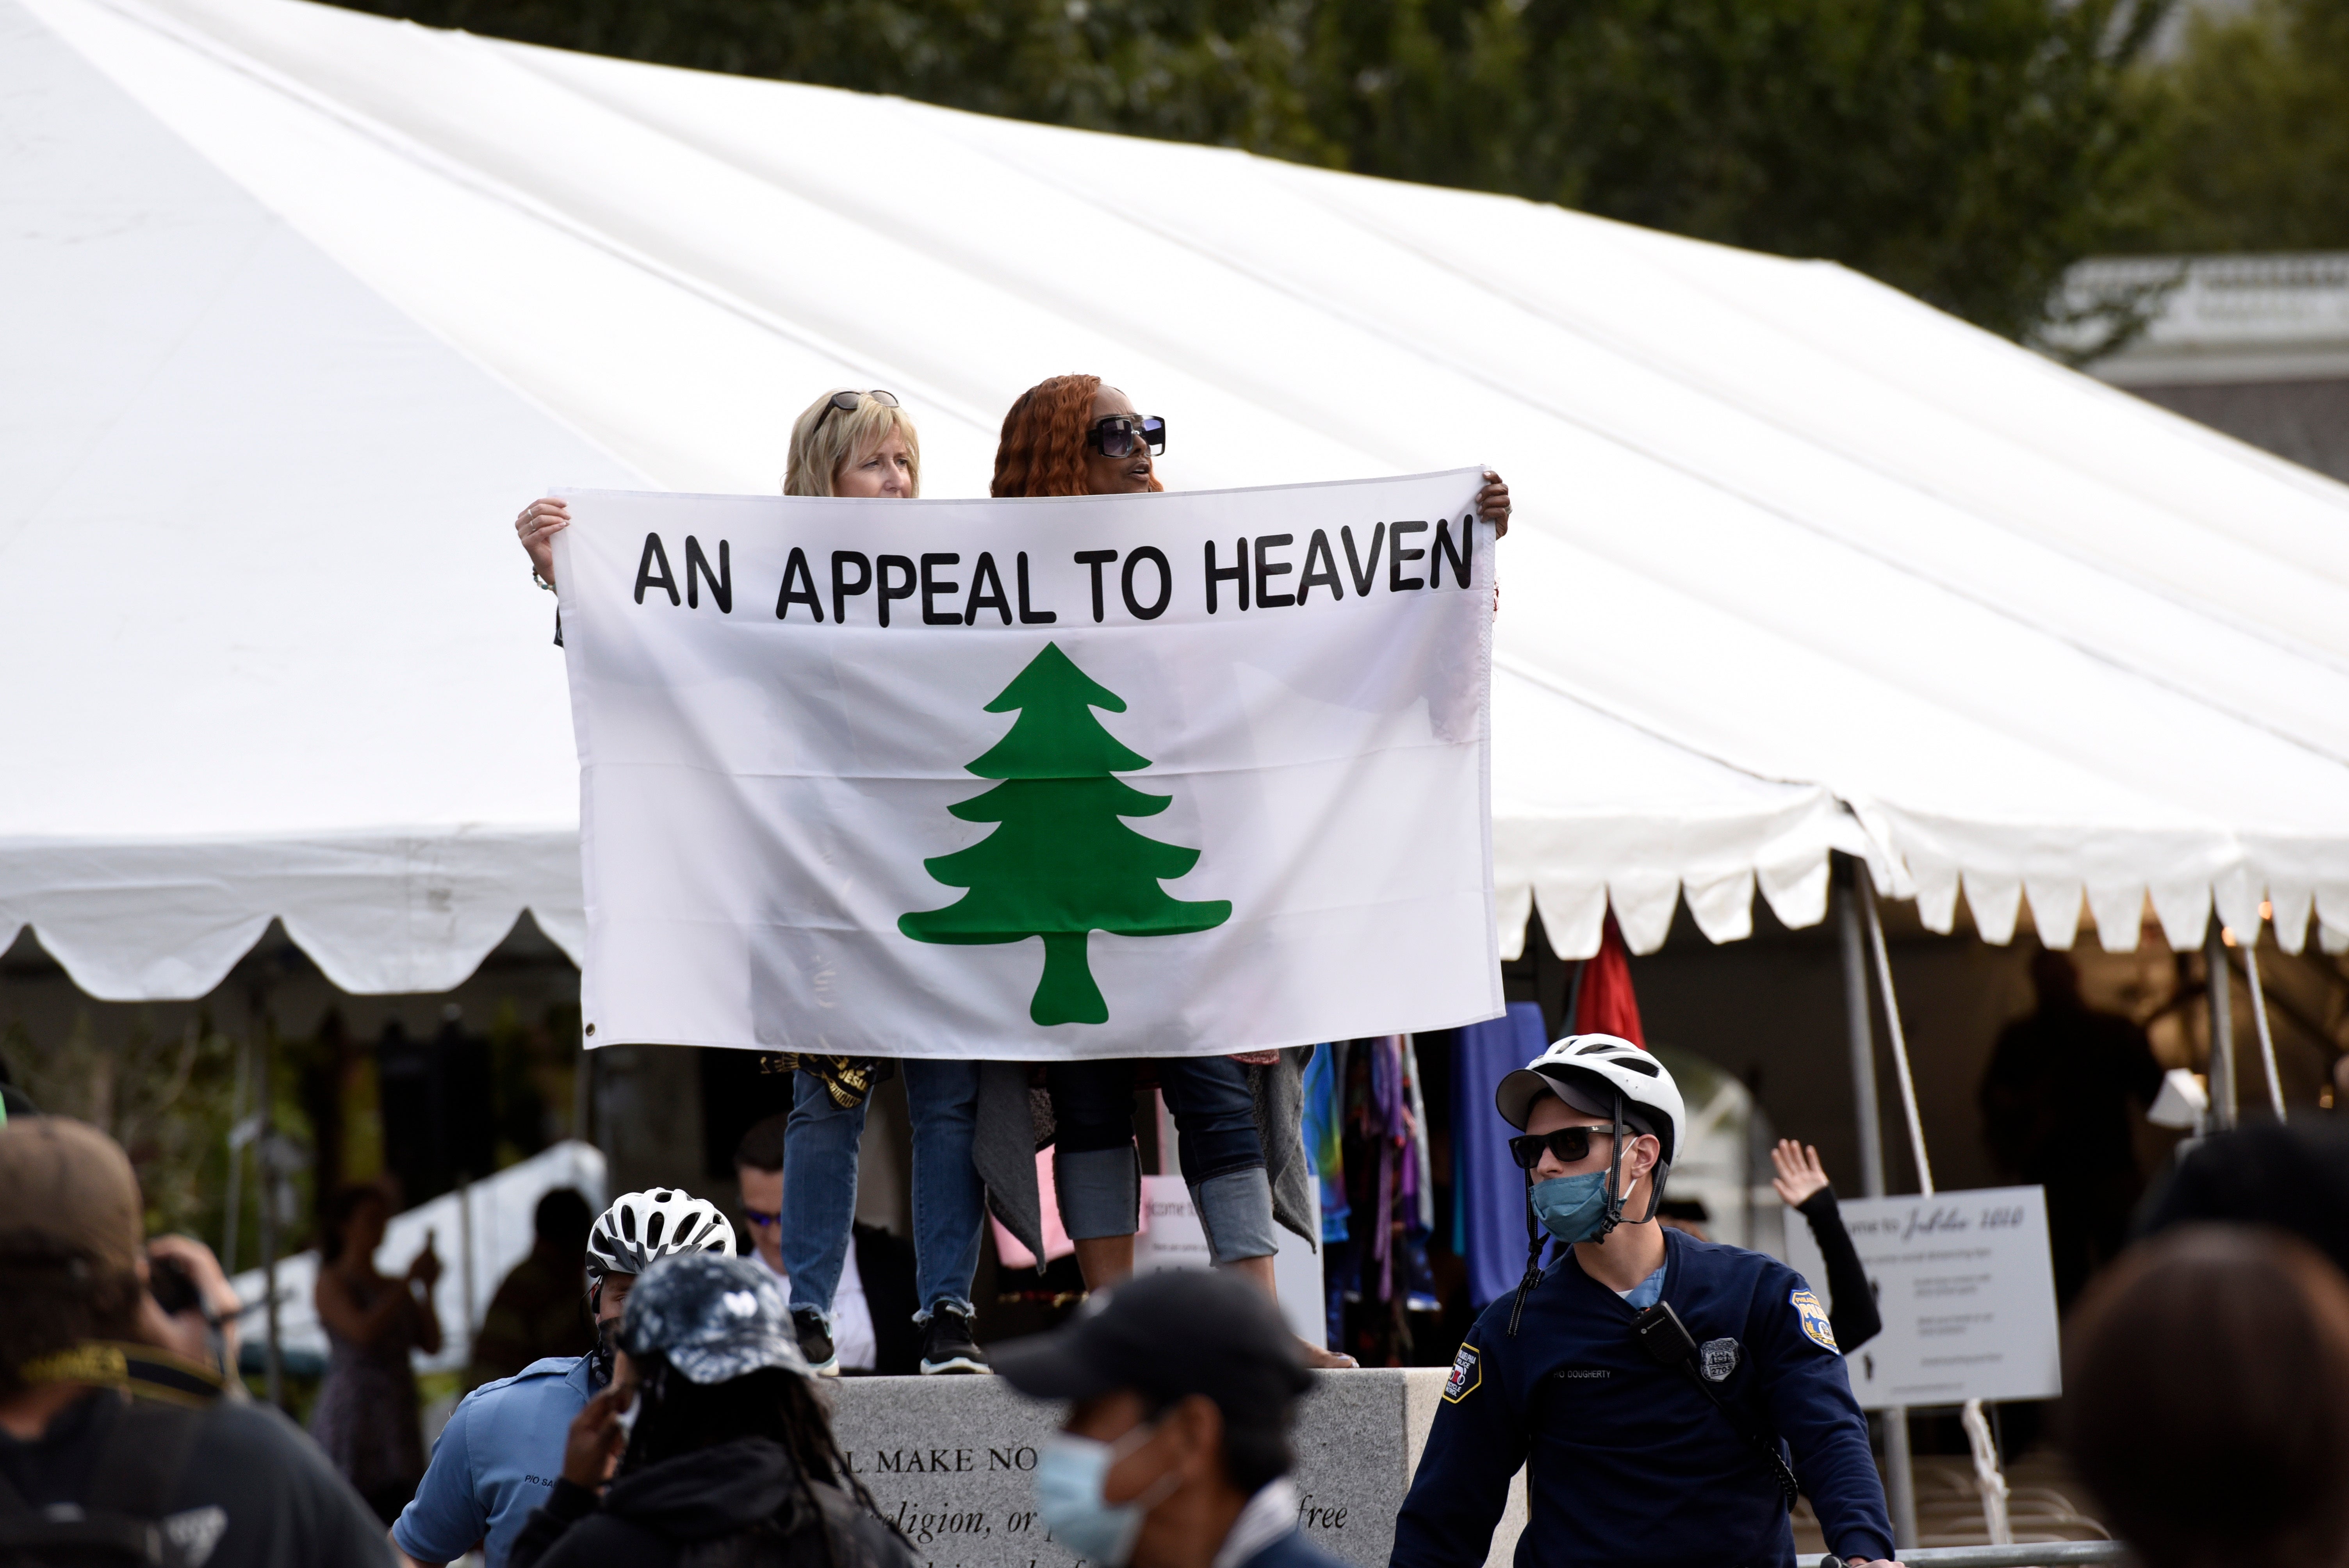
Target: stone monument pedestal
(951,1460)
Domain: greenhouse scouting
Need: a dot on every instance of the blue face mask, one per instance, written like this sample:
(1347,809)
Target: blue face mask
(1572,1208)
(1070,1475)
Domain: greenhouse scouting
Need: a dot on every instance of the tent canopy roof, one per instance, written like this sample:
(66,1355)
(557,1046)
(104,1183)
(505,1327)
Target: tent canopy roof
(1799,563)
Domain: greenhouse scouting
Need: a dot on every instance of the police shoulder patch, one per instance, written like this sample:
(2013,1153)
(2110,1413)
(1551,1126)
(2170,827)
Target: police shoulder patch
(1467,1373)
(1814,1318)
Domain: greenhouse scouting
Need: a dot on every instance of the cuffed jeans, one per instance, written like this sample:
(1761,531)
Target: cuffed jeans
(820,1185)
(1095,1166)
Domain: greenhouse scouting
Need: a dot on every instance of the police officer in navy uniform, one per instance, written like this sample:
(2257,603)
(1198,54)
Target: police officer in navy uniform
(1643,1445)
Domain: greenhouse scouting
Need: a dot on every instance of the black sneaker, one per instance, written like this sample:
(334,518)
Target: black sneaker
(948,1346)
(815,1343)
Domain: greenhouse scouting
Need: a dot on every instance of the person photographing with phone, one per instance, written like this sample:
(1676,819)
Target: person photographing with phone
(1667,1395)
(367,1417)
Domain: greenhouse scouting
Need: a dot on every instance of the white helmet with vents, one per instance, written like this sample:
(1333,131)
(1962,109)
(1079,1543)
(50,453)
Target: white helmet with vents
(640,1228)
(1588,1072)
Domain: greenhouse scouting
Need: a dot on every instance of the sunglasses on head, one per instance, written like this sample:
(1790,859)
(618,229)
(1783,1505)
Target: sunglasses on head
(761,1220)
(1569,1143)
(846,402)
(1117,436)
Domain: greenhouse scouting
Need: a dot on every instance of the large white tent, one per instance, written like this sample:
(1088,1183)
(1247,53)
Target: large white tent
(304,303)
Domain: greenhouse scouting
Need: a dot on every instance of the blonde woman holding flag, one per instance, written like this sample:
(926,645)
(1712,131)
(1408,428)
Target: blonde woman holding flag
(859,444)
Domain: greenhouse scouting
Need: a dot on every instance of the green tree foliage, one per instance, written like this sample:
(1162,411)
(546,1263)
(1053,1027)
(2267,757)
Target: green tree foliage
(2253,153)
(1063,865)
(1966,150)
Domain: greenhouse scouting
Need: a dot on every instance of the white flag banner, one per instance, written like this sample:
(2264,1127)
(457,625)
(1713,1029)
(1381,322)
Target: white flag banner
(1090,776)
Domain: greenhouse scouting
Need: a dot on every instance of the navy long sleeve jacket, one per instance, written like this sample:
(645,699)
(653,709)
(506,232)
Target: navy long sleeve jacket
(1630,1463)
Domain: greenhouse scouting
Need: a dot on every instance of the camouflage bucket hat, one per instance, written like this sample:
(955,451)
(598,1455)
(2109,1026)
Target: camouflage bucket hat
(713,1318)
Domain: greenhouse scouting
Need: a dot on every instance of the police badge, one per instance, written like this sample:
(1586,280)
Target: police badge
(1719,1360)
(1467,1373)
(1813,1318)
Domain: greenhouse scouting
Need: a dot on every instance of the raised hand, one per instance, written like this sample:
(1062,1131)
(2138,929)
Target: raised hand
(539,521)
(1492,504)
(1800,1175)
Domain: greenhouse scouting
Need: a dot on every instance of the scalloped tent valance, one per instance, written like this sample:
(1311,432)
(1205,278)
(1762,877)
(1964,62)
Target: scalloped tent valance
(316,300)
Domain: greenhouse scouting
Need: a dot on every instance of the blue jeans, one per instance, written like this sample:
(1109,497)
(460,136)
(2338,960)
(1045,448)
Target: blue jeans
(820,1186)
(1222,1157)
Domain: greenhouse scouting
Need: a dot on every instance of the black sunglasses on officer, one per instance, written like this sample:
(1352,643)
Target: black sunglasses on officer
(1118,434)
(1569,1143)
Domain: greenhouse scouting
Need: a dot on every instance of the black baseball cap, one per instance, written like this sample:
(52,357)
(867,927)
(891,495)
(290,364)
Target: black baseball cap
(1167,1337)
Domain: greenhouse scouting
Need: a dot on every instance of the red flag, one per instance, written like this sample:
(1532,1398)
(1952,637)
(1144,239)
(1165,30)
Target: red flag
(1605,1004)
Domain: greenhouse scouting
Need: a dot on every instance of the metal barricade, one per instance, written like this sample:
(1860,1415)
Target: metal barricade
(2022,1555)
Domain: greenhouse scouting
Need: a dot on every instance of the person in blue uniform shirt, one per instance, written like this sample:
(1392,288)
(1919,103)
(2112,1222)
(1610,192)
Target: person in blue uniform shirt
(502,1451)
(1636,1455)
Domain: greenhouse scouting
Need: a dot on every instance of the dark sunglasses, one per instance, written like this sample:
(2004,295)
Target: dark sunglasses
(1115,437)
(1569,1143)
(759,1220)
(847,403)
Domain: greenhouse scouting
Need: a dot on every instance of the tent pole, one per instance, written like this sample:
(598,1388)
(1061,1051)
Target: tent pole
(263,1171)
(2259,1021)
(1864,887)
(2222,1027)
(1901,1482)
(1988,1476)
(1861,1034)
(234,1207)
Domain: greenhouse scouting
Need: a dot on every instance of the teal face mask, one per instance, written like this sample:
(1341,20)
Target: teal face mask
(1572,1208)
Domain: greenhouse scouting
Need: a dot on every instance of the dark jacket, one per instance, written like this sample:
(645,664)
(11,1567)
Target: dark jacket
(239,1480)
(1853,1317)
(1626,1463)
(741,1502)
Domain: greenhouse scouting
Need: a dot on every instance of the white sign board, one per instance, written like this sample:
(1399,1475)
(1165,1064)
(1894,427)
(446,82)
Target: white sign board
(1966,1289)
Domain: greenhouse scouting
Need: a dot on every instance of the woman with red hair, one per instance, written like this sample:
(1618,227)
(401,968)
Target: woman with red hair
(1074,435)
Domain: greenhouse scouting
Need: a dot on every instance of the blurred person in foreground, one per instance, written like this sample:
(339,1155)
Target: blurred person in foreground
(539,1310)
(716,1447)
(107,1440)
(2294,1177)
(367,1417)
(1181,1387)
(502,1447)
(191,1309)
(2206,1401)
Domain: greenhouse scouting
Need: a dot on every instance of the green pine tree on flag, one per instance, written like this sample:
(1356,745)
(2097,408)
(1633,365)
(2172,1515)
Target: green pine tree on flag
(1063,864)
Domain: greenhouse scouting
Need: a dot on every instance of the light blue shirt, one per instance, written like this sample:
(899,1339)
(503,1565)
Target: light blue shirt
(1644,1295)
(496,1460)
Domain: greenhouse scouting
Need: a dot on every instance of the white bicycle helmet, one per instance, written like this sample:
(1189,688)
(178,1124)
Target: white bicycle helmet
(642,1227)
(1582,1070)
